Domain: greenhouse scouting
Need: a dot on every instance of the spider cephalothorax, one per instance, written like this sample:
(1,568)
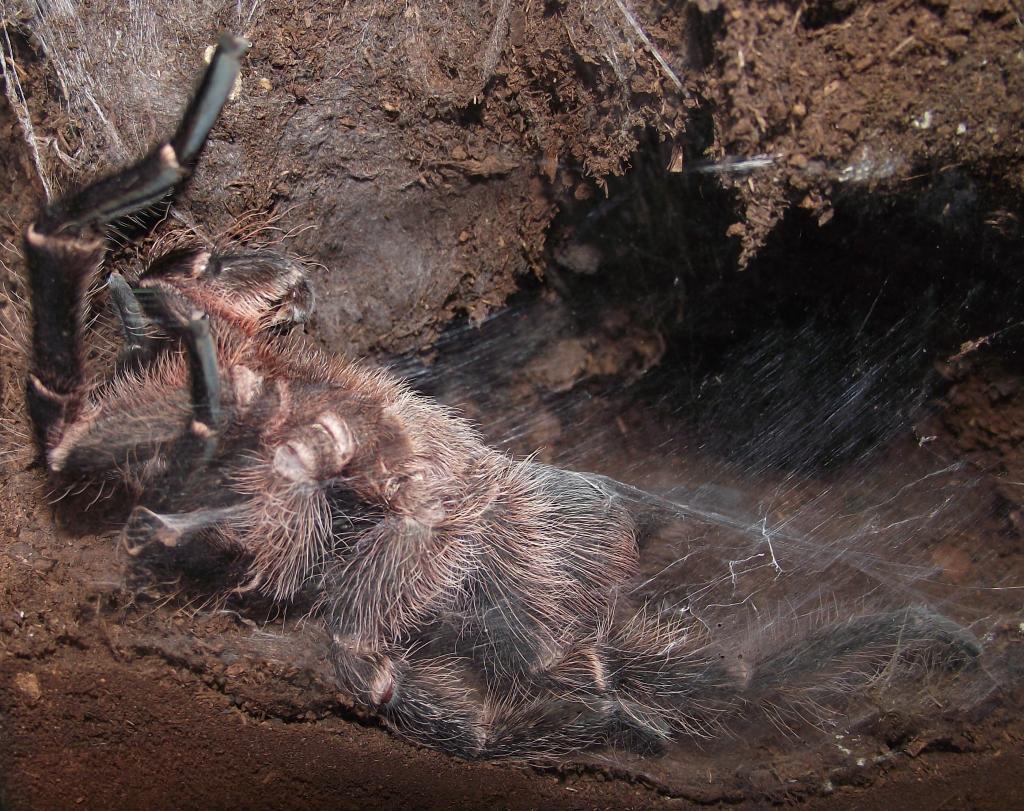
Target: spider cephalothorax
(473,600)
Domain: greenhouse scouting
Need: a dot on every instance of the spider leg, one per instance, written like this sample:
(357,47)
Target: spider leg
(207,417)
(510,644)
(432,702)
(139,346)
(208,100)
(105,437)
(404,566)
(836,659)
(65,247)
(663,689)
(660,693)
(255,290)
(548,726)
(425,700)
(145,527)
(60,269)
(177,316)
(150,180)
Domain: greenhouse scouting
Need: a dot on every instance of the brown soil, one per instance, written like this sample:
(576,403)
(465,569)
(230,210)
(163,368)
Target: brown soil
(448,158)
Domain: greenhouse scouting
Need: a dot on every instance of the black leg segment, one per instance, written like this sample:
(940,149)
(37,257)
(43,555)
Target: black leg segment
(147,182)
(65,247)
(213,91)
(202,354)
(139,344)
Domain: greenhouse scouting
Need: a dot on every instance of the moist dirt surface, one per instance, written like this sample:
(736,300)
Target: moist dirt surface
(554,216)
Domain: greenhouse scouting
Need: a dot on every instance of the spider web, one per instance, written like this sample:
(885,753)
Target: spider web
(799,489)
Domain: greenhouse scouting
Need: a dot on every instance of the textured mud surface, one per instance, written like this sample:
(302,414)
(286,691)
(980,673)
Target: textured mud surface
(430,146)
(591,157)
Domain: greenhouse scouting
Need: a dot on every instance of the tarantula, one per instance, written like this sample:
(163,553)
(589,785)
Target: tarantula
(473,601)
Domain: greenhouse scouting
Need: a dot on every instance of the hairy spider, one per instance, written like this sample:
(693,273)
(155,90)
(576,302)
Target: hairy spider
(474,601)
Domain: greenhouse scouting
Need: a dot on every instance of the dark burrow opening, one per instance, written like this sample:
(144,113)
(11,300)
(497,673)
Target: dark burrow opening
(833,339)
(852,397)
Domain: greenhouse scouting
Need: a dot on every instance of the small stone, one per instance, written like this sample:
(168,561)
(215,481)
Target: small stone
(799,110)
(675,163)
(923,121)
(864,63)
(955,44)
(582,192)
(43,565)
(849,123)
(28,684)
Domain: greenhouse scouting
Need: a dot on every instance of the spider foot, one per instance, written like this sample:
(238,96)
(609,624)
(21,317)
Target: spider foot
(147,529)
(549,726)
(136,188)
(257,290)
(248,587)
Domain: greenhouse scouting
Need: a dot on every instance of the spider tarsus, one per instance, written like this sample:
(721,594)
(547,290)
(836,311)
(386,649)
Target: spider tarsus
(135,327)
(210,97)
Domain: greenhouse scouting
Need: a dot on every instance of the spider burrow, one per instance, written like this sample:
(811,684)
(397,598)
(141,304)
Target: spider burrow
(475,602)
